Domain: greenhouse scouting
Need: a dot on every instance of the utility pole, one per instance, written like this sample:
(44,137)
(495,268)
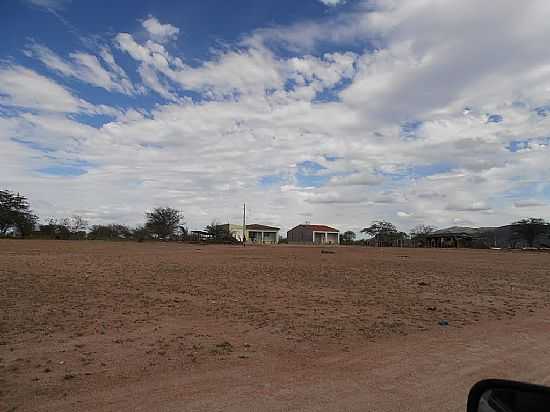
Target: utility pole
(244,224)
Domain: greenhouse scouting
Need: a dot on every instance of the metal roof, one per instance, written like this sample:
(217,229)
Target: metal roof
(262,227)
(462,230)
(318,228)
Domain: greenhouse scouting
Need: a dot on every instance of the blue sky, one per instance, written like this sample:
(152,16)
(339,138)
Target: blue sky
(341,111)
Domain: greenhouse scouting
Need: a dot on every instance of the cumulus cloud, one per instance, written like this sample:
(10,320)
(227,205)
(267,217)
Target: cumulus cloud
(233,71)
(397,130)
(160,32)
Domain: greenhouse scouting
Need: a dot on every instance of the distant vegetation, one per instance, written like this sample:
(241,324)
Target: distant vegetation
(530,229)
(383,233)
(347,238)
(110,232)
(163,222)
(15,214)
(17,219)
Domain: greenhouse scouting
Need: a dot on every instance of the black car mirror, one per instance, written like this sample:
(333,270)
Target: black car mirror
(508,396)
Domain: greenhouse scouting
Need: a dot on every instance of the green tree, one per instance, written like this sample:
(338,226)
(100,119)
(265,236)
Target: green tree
(384,233)
(379,229)
(109,232)
(140,233)
(163,222)
(530,229)
(348,237)
(15,212)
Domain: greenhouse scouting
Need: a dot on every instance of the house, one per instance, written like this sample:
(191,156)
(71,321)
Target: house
(235,231)
(314,234)
(255,233)
(262,234)
(455,236)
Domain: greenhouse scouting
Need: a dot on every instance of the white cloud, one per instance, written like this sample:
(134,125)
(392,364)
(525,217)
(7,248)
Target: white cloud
(530,203)
(150,78)
(468,207)
(160,32)
(22,87)
(332,2)
(357,179)
(49,4)
(247,71)
(262,114)
(85,67)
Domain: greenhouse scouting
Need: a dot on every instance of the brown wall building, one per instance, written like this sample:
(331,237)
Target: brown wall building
(314,234)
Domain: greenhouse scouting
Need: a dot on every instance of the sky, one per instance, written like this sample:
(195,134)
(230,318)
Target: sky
(323,111)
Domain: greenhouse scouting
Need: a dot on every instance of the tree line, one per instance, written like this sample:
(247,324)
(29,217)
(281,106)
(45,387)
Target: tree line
(162,223)
(166,223)
(384,233)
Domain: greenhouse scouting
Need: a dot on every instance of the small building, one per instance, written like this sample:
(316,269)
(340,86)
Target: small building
(235,231)
(314,234)
(262,234)
(455,236)
(255,233)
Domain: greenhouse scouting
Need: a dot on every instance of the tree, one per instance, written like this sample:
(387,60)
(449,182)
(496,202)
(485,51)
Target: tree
(529,229)
(75,225)
(163,221)
(15,212)
(380,229)
(419,234)
(55,229)
(384,233)
(347,238)
(140,233)
(67,228)
(421,231)
(109,232)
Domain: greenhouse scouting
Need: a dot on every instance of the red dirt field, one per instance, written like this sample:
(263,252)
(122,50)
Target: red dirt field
(163,326)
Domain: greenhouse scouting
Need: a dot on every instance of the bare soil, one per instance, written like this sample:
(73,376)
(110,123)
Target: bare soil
(163,326)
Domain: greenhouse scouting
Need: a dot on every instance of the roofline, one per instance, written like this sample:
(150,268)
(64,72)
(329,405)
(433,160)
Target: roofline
(333,229)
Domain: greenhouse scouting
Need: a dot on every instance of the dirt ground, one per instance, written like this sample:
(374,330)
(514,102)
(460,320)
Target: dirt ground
(164,326)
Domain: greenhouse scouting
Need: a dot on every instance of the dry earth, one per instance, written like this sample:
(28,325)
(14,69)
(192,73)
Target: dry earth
(162,326)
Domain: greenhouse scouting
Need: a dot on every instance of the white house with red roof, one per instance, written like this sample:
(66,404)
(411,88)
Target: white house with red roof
(314,234)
